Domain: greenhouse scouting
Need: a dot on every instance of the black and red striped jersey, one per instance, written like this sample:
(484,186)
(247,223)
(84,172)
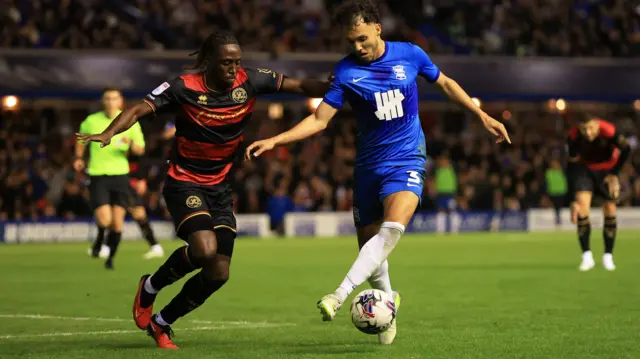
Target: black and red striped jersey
(210,124)
(600,154)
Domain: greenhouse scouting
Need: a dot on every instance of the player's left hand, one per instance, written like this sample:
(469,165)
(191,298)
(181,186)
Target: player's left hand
(103,138)
(259,147)
(613,183)
(495,127)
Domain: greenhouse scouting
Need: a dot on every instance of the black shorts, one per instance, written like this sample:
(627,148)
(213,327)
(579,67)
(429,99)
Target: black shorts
(109,190)
(196,207)
(587,180)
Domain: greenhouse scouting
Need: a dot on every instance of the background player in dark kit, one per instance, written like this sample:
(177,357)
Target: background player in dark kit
(597,152)
(213,107)
(138,185)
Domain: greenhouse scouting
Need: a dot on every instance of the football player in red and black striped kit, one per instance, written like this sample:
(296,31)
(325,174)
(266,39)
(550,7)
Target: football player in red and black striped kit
(213,104)
(597,152)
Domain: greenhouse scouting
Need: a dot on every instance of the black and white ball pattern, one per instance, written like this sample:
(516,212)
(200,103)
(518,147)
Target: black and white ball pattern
(372,311)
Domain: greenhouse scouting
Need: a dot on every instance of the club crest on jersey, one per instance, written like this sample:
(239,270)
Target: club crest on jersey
(202,99)
(160,89)
(193,202)
(399,71)
(239,95)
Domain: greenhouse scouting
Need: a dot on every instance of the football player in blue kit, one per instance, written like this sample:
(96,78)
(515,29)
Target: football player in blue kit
(379,81)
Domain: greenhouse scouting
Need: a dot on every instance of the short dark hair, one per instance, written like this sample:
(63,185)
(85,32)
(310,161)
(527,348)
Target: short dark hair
(585,117)
(211,46)
(351,11)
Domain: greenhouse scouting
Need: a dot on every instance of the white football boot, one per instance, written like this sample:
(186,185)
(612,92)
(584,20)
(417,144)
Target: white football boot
(155,251)
(607,262)
(587,262)
(329,306)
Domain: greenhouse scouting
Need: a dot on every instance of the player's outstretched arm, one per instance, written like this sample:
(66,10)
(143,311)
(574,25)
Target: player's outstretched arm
(123,122)
(455,93)
(308,127)
(307,87)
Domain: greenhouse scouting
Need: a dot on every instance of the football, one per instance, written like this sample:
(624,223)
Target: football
(372,311)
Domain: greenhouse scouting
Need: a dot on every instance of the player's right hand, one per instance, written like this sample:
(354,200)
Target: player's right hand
(495,127)
(103,138)
(78,164)
(259,147)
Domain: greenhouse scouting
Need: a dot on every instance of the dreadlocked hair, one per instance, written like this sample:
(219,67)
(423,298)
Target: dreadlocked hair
(211,46)
(350,12)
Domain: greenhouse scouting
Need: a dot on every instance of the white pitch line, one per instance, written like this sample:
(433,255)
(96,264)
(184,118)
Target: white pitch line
(98,319)
(108,332)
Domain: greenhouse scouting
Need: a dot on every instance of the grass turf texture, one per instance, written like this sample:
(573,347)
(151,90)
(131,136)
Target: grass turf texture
(466,296)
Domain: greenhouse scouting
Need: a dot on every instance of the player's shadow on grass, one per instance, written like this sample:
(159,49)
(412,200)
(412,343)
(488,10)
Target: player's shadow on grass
(362,347)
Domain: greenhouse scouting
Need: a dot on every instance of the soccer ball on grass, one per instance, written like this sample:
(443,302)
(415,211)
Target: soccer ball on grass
(372,311)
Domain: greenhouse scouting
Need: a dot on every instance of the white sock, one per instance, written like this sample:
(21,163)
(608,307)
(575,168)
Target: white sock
(380,279)
(587,255)
(156,247)
(371,256)
(161,321)
(148,287)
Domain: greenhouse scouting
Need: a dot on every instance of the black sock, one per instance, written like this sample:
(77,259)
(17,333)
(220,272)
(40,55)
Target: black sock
(584,233)
(113,242)
(99,241)
(177,266)
(194,293)
(147,232)
(609,233)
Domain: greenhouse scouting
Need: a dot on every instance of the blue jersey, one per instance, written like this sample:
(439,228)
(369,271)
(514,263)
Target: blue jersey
(384,96)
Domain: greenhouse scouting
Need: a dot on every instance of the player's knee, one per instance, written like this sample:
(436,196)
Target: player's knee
(138,214)
(117,223)
(103,216)
(391,233)
(584,209)
(221,272)
(609,209)
(203,248)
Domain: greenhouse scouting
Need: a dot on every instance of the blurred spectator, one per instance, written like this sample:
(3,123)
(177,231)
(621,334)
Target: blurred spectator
(470,172)
(278,204)
(522,28)
(446,184)
(556,186)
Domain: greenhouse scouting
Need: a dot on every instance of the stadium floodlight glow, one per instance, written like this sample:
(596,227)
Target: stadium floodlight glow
(314,103)
(10,102)
(276,110)
(506,115)
(561,105)
(476,101)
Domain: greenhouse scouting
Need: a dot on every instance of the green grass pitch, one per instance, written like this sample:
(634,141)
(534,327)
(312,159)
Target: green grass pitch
(464,296)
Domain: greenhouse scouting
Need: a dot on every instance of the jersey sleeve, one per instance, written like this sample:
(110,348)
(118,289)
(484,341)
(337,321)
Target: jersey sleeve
(85,127)
(335,95)
(264,81)
(165,97)
(426,67)
(136,135)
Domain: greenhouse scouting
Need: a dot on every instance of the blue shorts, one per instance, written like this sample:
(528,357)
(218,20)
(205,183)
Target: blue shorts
(373,185)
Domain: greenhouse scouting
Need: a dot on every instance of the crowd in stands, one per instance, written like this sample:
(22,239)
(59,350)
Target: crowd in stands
(466,170)
(512,27)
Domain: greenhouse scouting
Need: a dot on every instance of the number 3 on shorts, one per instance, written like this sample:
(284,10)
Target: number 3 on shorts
(414,179)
